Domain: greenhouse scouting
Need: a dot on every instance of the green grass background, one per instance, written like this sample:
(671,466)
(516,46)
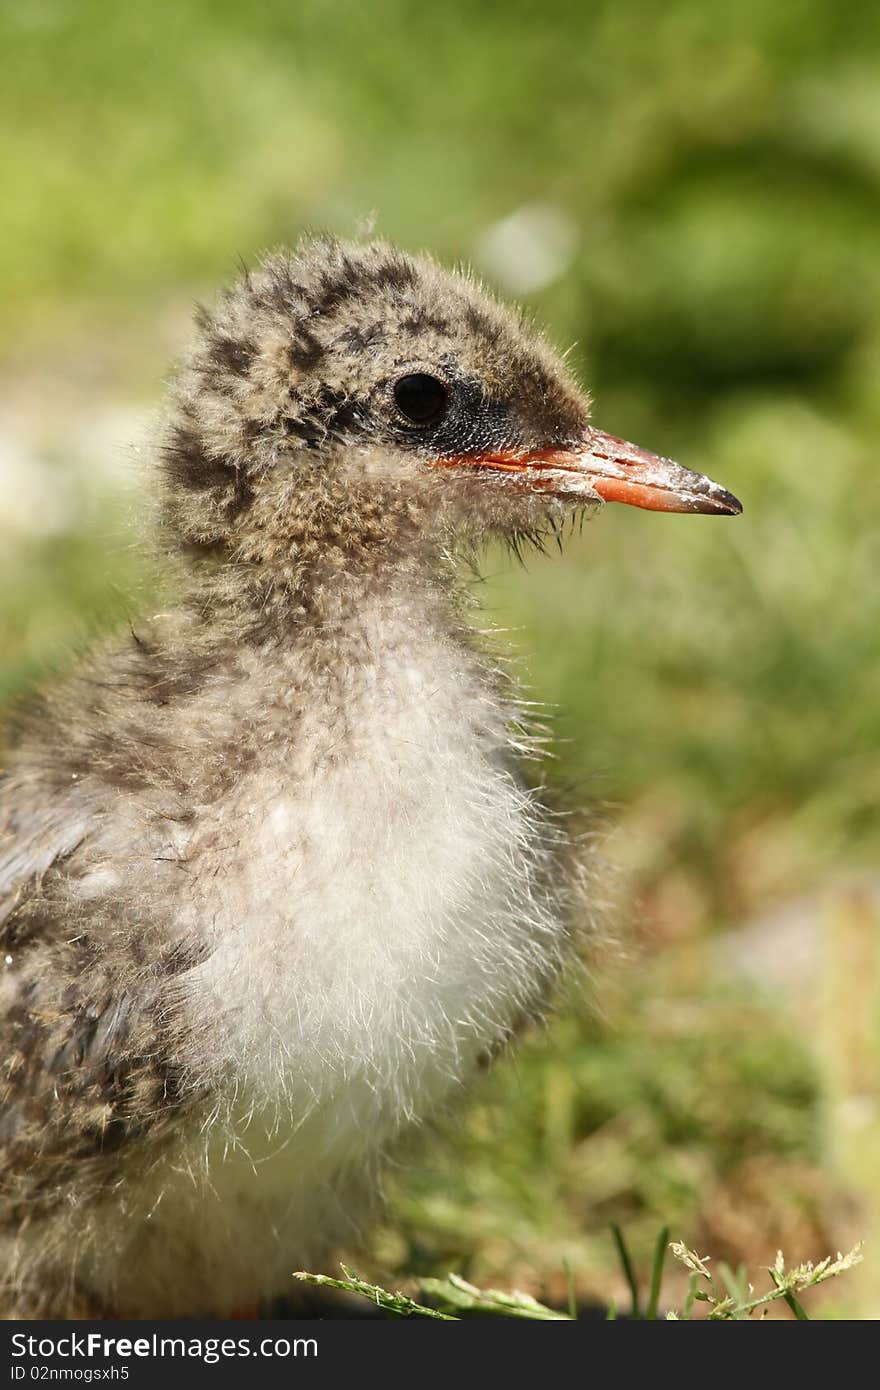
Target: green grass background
(718,683)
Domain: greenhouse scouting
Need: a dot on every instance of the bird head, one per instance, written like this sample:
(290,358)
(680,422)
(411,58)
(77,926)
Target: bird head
(351,401)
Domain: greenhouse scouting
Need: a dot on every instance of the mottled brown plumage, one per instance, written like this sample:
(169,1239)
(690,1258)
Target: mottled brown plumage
(270,881)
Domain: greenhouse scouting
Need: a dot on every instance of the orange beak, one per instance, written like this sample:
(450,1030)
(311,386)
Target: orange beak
(612,469)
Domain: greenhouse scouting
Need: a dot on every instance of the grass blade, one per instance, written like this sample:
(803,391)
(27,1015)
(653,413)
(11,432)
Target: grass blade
(457,1298)
(691,1295)
(657,1273)
(627,1268)
(397,1305)
(798,1309)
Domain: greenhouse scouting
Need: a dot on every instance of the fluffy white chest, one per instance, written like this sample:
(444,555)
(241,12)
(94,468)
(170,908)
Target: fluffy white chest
(380,912)
(378,908)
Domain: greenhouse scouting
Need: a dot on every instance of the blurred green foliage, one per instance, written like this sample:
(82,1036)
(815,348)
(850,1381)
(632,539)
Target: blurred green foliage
(718,682)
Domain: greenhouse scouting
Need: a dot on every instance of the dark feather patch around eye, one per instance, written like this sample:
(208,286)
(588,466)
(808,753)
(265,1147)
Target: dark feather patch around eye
(421,398)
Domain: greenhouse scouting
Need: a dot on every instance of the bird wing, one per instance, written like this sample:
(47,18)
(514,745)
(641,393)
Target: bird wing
(34,835)
(87,1022)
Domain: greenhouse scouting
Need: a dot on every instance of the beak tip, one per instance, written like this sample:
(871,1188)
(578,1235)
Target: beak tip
(729,505)
(734,506)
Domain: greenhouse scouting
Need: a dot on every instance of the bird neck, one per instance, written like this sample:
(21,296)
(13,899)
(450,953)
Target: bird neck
(315,601)
(376,650)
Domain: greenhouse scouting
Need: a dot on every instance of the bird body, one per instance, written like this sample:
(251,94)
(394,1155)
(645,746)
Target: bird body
(272,884)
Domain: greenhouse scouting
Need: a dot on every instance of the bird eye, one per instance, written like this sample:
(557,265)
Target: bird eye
(422,399)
